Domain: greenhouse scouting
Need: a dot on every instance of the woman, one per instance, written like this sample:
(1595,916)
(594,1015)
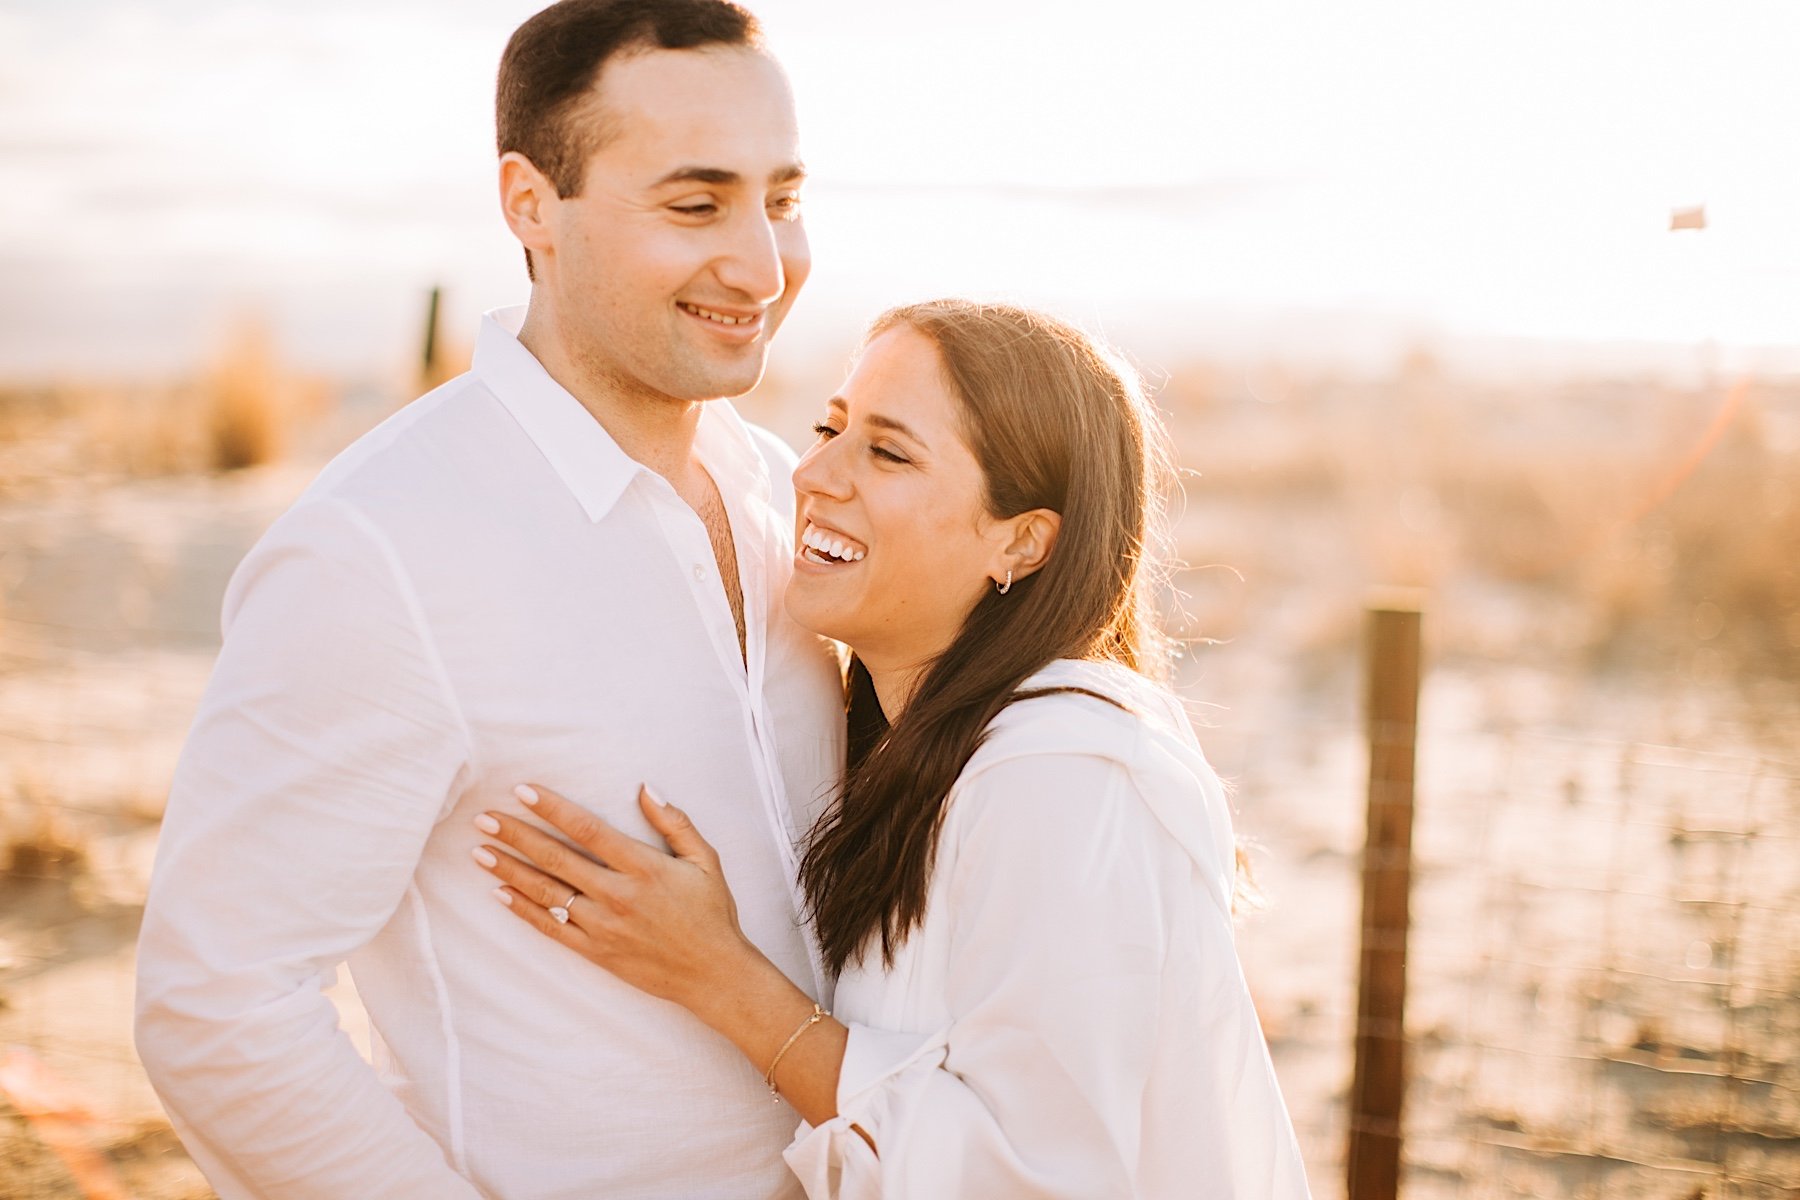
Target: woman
(1025,884)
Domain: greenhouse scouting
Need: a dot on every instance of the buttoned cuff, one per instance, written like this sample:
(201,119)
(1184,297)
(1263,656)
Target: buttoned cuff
(881,1070)
(872,1056)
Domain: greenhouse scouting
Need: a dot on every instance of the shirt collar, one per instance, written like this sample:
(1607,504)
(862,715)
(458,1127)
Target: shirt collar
(577,446)
(728,451)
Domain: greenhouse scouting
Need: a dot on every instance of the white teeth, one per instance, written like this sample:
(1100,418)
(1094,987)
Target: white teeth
(721,318)
(828,548)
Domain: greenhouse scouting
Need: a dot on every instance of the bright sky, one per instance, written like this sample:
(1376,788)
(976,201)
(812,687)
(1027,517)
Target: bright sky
(1297,173)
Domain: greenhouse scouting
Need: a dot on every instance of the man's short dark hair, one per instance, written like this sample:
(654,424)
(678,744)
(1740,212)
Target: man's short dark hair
(553,60)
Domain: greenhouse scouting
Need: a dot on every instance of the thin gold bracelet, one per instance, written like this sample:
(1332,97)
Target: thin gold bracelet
(818,1014)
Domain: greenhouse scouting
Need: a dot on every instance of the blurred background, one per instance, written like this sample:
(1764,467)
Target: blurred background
(1500,303)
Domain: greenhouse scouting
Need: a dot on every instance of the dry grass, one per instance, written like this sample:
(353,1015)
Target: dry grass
(1661,525)
(47,849)
(243,410)
(37,838)
(143,1160)
(246,404)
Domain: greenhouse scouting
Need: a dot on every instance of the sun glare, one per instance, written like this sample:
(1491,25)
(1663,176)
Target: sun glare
(1465,169)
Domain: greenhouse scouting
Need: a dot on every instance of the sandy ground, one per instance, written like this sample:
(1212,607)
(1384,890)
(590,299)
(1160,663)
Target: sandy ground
(1604,981)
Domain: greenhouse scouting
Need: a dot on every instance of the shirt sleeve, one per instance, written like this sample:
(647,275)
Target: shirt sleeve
(325,748)
(1058,926)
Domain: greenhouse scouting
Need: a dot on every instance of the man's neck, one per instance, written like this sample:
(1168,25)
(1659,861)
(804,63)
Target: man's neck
(653,429)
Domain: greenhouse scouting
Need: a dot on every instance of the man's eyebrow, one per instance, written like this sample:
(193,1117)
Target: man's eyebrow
(720,177)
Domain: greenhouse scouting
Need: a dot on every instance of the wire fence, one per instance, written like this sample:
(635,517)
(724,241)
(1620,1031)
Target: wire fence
(1603,978)
(1603,982)
(1622,984)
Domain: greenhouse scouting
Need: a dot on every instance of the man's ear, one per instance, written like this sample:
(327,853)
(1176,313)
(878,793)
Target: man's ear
(527,200)
(1033,540)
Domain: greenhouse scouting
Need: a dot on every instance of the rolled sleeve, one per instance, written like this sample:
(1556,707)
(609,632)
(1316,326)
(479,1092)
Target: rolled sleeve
(326,747)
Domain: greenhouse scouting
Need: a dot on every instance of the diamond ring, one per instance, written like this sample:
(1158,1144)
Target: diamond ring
(560,913)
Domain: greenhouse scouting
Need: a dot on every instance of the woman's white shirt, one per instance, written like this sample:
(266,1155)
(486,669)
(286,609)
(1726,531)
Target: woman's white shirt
(1070,1020)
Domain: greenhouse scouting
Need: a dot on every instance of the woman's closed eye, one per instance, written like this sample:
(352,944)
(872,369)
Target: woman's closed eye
(825,431)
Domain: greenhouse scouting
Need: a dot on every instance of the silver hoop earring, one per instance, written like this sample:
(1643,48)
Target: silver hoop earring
(1006,587)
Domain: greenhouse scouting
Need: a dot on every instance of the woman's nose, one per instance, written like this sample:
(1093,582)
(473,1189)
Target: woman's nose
(820,473)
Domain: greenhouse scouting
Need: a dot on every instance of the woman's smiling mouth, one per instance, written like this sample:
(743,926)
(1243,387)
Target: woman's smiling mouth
(827,547)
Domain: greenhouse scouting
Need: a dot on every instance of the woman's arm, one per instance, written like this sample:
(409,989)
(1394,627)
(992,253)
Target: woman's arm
(666,924)
(1091,991)
(1051,922)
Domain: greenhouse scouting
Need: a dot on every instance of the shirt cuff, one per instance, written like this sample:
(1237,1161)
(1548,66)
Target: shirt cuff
(872,1056)
(832,1160)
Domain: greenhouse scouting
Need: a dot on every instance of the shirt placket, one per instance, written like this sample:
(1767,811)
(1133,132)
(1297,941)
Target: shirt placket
(754,539)
(687,534)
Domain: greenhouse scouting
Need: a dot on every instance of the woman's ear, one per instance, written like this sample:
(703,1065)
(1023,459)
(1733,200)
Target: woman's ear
(1033,540)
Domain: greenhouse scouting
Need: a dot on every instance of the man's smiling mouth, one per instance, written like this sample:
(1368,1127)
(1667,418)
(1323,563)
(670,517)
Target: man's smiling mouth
(715,316)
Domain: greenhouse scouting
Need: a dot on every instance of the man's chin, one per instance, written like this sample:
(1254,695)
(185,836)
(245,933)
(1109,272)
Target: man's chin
(727,382)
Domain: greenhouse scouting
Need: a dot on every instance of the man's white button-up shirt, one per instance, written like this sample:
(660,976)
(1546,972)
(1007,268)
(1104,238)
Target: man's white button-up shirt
(483,591)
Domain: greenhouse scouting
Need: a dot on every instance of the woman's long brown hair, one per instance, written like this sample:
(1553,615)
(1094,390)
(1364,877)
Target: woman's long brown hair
(1055,423)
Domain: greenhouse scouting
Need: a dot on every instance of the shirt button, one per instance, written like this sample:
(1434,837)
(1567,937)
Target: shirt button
(699,571)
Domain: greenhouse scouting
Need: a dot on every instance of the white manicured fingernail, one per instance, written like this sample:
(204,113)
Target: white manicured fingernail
(487,824)
(484,856)
(503,896)
(654,798)
(527,795)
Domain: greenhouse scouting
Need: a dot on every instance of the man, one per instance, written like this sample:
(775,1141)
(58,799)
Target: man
(565,566)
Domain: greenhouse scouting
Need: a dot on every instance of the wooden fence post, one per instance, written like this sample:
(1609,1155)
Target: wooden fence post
(1379,1084)
(429,358)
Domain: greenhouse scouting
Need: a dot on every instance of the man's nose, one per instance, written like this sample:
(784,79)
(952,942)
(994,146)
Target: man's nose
(751,263)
